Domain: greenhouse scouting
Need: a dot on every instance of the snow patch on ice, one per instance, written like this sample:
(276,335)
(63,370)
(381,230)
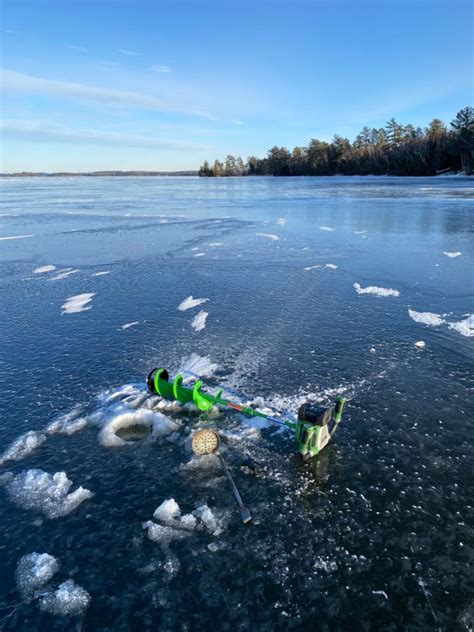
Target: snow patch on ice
(199,321)
(216,244)
(23,446)
(421,344)
(69,599)
(128,325)
(42,269)
(281,221)
(268,236)
(191,302)
(201,366)
(464,327)
(331,266)
(67,424)
(78,303)
(34,571)
(48,494)
(312,268)
(451,255)
(63,275)
(200,254)
(328,229)
(157,422)
(15,237)
(376,291)
(426,318)
(101,273)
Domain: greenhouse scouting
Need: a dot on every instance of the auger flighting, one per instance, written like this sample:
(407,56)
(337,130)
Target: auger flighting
(314,426)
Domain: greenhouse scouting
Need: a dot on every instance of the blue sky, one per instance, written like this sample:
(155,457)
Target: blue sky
(116,84)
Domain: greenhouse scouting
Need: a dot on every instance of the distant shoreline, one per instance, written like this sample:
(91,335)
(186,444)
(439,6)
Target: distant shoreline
(95,174)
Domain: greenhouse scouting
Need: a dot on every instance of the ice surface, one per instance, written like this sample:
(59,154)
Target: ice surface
(191,302)
(426,318)
(42,269)
(104,272)
(167,511)
(268,236)
(464,327)
(63,274)
(327,228)
(199,321)
(452,254)
(158,423)
(128,325)
(375,291)
(69,599)
(199,365)
(23,446)
(78,303)
(33,571)
(15,237)
(39,491)
(331,266)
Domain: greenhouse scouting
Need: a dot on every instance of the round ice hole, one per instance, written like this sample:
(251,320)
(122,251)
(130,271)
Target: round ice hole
(134,432)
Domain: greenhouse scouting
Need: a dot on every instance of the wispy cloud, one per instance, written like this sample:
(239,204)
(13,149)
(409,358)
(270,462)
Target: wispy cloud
(125,51)
(80,49)
(109,63)
(237,122)
(39,131)
(12,32)
(161,69)
(15,82)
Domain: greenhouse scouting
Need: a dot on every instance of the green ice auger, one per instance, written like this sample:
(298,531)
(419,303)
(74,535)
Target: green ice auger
(313,428)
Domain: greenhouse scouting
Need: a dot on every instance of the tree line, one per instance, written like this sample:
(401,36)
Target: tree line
(396,149)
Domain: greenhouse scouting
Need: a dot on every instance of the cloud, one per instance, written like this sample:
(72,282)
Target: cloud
(125,51)
(16,82)
(161,69)
(38,131)
(80,49)
(237,122)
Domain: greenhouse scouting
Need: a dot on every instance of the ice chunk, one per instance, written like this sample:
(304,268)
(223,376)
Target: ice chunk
(43,269)
(268,236)
(78,303)
(167,511)
(328,229)
(39,491)
(426,318)
(421,344)
(375,291)
(451,255)
(464,327)
(163,534)
(191,302)
(68,599)
(199,322)
(33,571)
(23,446)
(159,426)
(382,593)
(205,514)
(188,521)
(331,266)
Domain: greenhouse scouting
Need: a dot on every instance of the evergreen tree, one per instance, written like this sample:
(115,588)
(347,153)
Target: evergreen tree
(463,126)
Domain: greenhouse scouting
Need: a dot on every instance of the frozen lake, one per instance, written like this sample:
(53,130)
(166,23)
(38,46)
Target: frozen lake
(314,287)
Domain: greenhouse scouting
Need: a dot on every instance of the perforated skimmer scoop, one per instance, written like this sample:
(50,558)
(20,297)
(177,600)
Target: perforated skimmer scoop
(207,442)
